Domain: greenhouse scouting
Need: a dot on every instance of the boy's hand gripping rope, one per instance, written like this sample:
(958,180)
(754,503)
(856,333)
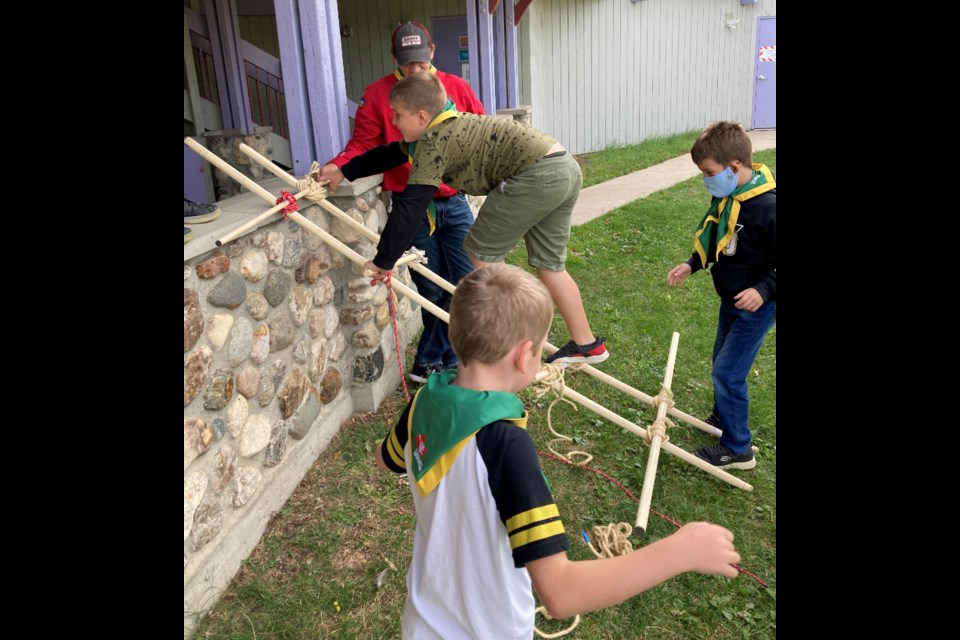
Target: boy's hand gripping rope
(315,190)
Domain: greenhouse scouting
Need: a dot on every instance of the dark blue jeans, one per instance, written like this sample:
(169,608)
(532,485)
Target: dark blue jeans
(447,258)
(739,336)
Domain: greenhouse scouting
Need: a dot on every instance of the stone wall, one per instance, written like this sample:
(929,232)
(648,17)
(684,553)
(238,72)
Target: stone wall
(283,340)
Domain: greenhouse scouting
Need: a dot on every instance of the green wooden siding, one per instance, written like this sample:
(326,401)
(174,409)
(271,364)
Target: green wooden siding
(261,32)
(366,54)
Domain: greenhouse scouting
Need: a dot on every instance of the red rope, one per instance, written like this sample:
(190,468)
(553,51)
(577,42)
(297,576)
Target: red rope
(637,500)
(396,334)
(286,196)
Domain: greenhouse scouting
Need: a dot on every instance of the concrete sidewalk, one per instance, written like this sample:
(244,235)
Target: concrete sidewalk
(600,198)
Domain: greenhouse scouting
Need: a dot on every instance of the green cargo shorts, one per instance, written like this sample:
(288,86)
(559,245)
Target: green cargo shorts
(535,205)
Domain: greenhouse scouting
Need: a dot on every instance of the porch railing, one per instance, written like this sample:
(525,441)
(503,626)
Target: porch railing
(268,105)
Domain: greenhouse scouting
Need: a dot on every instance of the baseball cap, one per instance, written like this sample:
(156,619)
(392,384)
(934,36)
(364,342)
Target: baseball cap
(411,43)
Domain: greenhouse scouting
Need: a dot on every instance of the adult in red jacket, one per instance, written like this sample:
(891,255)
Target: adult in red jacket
(447,224)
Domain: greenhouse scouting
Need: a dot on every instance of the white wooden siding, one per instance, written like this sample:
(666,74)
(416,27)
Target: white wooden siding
(608,72)
(366,54)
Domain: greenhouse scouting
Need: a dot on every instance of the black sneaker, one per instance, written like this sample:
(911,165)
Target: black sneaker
(713,420)
(572,353)
(419,374)
(187,235)
(196,213)
(719,456)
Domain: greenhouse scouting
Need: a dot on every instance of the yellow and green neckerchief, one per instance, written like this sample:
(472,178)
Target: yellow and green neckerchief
(724,212)
(442,420)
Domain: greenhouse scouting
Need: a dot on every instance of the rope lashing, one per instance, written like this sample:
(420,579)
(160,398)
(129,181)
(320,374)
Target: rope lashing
(613,540)
(421,256)
(286,196)
(660,425)
(558,634)
(315,190)
(553,381)
(318,191)
(667,518)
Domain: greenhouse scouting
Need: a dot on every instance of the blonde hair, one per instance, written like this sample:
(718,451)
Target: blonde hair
(421,91)
(495,308)
(724,142)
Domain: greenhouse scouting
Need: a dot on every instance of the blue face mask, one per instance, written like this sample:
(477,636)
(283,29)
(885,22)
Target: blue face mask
(722,184)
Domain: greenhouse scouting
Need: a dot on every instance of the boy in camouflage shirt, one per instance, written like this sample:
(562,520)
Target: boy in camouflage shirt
(530,181)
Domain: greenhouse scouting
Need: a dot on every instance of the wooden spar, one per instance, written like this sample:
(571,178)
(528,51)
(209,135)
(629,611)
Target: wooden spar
(250,224)
(640,395)
(650,475)
(640,431)
(341,215)
(341,248)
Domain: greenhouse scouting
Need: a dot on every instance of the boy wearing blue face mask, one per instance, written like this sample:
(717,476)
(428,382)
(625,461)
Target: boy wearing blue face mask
(738,235)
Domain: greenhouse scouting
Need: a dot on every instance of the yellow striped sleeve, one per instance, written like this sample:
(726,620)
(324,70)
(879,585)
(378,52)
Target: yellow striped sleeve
(533,515)
(395,450)
(536,533)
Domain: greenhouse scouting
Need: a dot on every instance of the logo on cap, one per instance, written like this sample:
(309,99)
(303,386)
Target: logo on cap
(410,41)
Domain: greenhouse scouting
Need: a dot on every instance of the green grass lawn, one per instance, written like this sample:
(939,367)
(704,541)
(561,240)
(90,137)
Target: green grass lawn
(317,569)
(614,162)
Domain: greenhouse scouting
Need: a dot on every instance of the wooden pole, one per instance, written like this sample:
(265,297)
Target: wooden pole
(650,475)
(341,215)
(250,224)
(640,395)
(640,431)
(341,248)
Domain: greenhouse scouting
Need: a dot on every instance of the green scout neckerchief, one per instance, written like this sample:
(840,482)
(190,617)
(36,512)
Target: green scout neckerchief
(724,212)
(449,111)
(444,417)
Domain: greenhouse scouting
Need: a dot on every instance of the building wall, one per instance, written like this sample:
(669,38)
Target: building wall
(608,72)
(260,31)
(366,53)
(283,339)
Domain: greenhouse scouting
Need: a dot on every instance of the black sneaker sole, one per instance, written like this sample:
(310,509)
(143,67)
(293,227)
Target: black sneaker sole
(416,377)
(582,359)
(744,466)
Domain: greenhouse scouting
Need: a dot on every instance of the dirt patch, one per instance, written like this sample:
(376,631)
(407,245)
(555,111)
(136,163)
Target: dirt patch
(351,558)
(333,484)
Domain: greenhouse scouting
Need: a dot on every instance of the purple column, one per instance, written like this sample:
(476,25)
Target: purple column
(224,33)
(316,94)
(484,53)
(512,69)
(323,64)
(499,61)
(472,34)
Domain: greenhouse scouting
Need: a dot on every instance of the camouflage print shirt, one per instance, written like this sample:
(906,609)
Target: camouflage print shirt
(474,153)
